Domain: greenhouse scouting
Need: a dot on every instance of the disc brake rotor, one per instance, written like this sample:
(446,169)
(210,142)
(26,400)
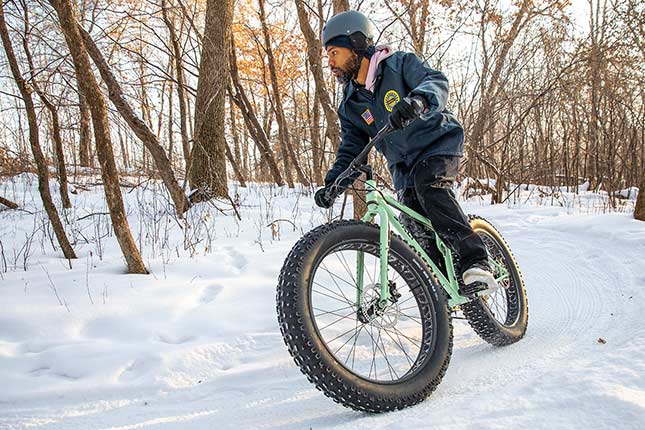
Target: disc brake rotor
(373,313)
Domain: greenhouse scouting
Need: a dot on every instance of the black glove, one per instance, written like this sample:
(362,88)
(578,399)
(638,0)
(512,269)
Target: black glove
(405,111)
(323,199)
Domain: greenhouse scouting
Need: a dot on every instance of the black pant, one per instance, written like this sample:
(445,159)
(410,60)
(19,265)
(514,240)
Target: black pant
(433,198)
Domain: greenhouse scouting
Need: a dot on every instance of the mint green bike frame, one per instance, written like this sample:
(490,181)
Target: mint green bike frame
(381,205)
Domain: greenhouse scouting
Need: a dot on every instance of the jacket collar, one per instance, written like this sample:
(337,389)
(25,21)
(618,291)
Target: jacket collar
(352,87)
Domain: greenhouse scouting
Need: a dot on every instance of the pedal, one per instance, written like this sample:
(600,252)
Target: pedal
(471,290)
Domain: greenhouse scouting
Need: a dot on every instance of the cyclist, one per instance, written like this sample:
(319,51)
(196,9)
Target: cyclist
(423,153)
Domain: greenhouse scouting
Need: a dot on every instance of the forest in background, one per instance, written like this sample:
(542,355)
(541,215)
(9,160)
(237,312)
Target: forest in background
(197,93)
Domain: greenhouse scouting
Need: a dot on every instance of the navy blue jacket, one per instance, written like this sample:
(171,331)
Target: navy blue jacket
(362,113)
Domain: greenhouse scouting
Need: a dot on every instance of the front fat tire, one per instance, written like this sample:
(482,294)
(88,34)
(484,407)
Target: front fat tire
(479,315)
(309,351)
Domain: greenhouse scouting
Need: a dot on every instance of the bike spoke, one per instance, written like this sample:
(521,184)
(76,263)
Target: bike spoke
(345,317)
(387,360)
(331,297)
(373,363)
(498,301)
(340,335)
(353,350)
(406,300)
(332,312)
(344,263)
(339,296)
(333,276)
(413,341)
(400,345)
(415,319)
(349,339)
(375,342)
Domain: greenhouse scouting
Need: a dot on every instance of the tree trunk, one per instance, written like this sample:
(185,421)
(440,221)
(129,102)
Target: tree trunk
(250,119)
(237,153)
(278,108)
(234,156)
(181,95)
(85,136)
(171,138)
(58,148)
(34,141)
(314,54)
(340,6)
(639,210)
(208,167)
(316,145)
(137,125)
(489,84)
(235,165)
(67,17)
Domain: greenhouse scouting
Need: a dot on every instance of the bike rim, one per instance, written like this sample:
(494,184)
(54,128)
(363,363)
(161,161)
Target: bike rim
(502,303)
(387,348)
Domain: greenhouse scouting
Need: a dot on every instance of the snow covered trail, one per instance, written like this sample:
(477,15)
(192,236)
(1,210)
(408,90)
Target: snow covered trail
(197,346)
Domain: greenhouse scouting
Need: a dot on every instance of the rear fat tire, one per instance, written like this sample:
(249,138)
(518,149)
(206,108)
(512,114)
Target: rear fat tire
(309,350)
(477,312)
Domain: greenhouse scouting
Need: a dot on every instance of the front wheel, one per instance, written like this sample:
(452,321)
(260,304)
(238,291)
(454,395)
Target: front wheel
(500,318)
(365,356)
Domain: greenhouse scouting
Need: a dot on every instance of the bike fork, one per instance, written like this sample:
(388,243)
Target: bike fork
(384,251)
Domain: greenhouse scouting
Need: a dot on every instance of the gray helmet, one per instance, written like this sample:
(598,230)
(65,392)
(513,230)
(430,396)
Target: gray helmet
(353,24)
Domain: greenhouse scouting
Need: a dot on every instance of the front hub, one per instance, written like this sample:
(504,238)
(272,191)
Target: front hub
(373,310)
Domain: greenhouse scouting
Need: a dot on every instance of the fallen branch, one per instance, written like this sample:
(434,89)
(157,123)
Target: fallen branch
(8,203)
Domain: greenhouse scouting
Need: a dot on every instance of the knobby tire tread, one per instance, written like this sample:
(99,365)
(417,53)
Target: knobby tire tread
(476,313)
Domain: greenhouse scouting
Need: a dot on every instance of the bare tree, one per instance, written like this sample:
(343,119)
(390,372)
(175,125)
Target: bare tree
(208,166)
(181,82)
(414,20)
(41,165)
(314,56)
(53,110)
(67,17)
(253,125)
(278,107)
(139,127)
(340,6)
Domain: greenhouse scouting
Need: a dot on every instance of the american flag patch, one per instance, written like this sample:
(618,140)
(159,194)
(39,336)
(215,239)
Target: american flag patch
(367,116)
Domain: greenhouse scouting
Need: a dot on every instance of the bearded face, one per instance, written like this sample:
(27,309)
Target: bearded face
(347,71)
(344,64)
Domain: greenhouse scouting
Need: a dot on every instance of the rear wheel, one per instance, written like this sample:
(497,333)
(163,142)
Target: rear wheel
(500,318)
(361,355)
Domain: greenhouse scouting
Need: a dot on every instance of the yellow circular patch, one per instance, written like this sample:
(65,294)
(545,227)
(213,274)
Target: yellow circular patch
(391,98)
